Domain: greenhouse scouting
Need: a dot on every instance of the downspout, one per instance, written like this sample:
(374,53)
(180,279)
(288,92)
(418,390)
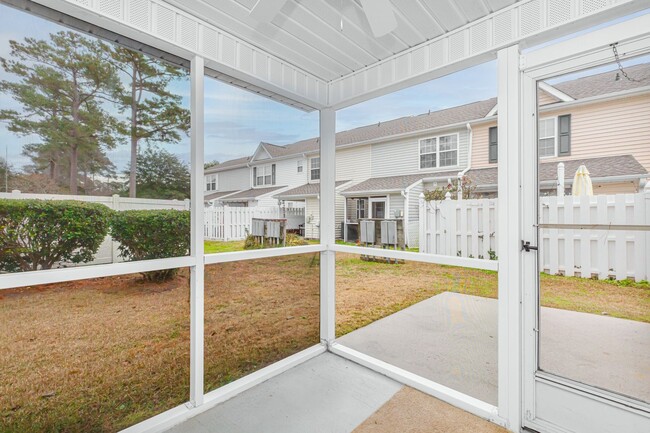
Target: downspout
(406,193)
(405,219)
(469,160)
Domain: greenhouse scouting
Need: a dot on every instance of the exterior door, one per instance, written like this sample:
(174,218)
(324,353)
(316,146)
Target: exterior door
(586,341)
(378,208)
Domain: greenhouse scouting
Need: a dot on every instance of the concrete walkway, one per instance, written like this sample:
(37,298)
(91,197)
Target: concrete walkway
(451,339)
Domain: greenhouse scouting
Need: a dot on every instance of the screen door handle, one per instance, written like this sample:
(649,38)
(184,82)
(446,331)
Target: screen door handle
(526,246)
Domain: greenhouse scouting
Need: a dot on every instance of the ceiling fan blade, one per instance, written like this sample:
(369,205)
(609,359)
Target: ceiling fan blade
(266,10)
(380,15)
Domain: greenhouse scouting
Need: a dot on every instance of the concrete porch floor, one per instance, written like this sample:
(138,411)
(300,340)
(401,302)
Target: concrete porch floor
(329,394)
(451,339)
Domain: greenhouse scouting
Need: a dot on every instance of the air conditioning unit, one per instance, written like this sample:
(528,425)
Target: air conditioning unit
(367,232)
(273,229)
(389,232)
(257,227)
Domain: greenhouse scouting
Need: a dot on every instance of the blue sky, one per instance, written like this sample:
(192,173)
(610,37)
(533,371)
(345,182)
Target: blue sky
(237,120)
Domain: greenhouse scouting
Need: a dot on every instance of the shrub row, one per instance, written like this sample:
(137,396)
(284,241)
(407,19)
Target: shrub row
(38,234)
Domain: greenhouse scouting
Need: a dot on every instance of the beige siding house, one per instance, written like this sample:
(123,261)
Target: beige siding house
(609,117)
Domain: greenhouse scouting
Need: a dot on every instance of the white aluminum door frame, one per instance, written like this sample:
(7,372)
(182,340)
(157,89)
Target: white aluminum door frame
(551,403)
(384,200)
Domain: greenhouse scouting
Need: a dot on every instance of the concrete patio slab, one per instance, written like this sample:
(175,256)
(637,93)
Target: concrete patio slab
(326,394)
(603,351)
(451,339)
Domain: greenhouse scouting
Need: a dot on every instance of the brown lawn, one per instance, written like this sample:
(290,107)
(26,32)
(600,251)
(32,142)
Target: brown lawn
(102,354)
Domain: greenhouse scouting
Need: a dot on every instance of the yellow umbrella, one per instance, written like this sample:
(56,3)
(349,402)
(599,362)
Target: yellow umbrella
(582,182)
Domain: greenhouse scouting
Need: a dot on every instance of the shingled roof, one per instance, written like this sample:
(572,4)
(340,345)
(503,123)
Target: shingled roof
(217,194)
(308,189)
(232,163)
(395,183)
(433,119)
(487,178)
(579,88)
(251,194)
(602,167)
(606,82)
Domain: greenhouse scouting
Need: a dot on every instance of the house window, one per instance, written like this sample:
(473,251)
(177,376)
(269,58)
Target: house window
(448,149)
(546,134)
(428,153)
(211,182)
(315,169)
(264,175)
(361,208)
(439,152)
(300,166)
(493,152)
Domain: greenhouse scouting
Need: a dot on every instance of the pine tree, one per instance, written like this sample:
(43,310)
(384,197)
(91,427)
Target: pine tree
(155,113)
(161,174)
(62,83)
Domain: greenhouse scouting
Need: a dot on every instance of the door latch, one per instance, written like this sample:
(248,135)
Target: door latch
(526,246)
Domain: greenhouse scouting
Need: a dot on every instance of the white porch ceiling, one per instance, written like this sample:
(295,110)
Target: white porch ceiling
(307,33)
(302,58)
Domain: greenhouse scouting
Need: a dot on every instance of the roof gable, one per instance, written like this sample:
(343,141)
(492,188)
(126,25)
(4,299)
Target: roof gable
(261,153)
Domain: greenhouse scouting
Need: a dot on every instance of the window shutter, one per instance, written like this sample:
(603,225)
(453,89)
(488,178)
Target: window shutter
(272,174)
(493,144)
(564,135)
(254,176)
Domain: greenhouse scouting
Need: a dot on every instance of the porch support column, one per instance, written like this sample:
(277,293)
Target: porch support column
(509,237)
(197,249)
(327,224)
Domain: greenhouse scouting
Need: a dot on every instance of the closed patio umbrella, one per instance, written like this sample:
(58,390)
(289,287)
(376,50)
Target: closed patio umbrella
(582,182)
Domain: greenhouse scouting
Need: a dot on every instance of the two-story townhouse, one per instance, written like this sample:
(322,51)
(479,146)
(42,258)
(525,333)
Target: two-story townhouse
(601,121)
(352,165)
(225,179)
(253,181)
(382,168)
(409,155)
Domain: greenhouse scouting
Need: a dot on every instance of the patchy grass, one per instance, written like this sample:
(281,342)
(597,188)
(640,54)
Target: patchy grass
(368,291)
(258,312)
(102,354)
(92,356)
(212,247)
(624,299)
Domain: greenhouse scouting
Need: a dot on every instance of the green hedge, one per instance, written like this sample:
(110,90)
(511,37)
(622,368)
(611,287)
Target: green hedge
(37,234)
(152,234)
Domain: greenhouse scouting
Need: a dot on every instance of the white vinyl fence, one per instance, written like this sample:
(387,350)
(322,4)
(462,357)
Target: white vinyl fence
(225,223)
(467,228)
(108,252)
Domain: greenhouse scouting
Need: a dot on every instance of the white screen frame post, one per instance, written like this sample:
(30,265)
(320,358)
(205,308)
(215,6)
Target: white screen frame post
(327,226)
(197,250)
(509,228)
